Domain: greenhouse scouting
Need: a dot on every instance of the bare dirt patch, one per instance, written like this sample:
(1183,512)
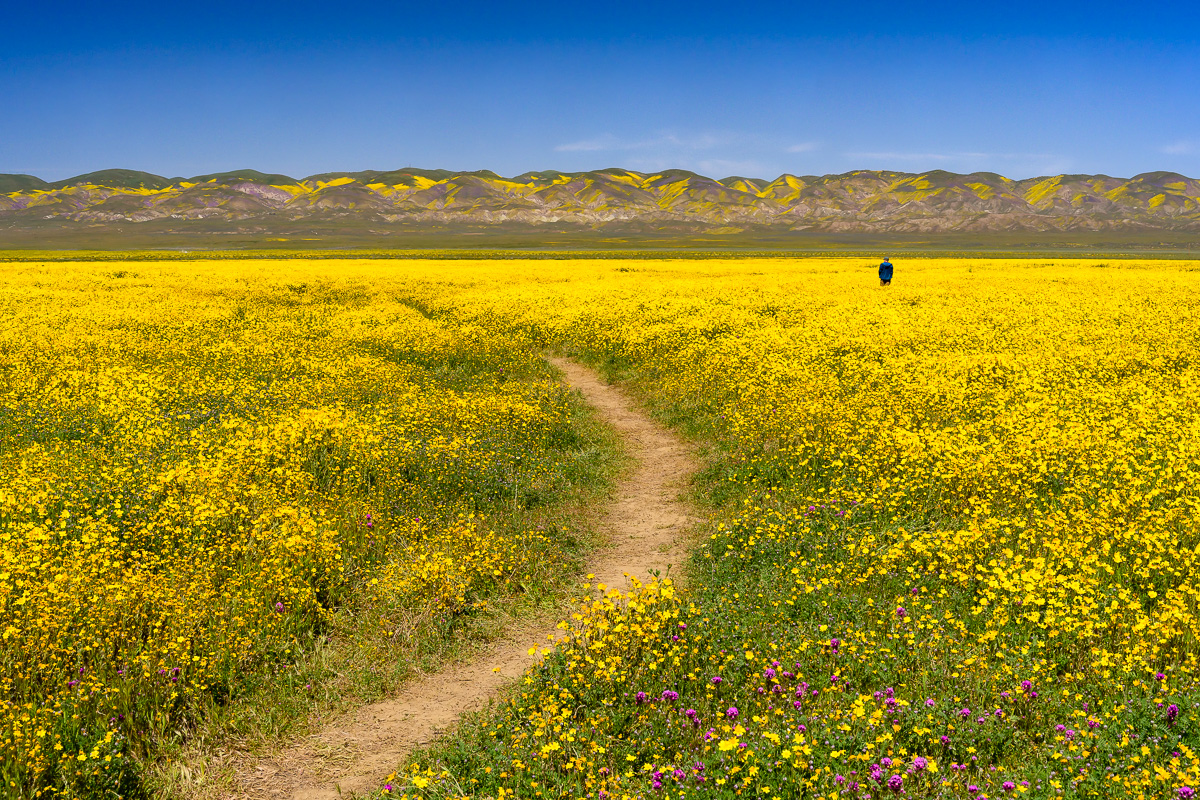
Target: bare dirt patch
(646,526)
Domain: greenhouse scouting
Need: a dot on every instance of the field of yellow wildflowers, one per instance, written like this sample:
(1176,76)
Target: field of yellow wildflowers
(954,547)
(207,467)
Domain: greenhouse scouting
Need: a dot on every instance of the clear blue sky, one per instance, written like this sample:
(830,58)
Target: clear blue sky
(751,88)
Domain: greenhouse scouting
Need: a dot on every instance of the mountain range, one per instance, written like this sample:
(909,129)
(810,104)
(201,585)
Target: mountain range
(863,201)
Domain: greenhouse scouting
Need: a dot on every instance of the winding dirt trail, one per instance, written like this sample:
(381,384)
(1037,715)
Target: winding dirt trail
(646,525)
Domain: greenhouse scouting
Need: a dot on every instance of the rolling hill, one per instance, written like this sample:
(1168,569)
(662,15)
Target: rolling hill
(612,200)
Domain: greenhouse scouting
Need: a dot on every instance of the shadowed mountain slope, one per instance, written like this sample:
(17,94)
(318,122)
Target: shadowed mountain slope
(864,201)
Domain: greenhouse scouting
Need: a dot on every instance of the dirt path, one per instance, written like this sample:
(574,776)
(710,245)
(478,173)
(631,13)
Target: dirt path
(645,525)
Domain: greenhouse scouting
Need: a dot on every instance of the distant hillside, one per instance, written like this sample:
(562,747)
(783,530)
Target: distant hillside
(20,183)
(117,179)
(613,200)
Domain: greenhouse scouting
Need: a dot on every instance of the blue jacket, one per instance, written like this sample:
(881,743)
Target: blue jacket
(885,271)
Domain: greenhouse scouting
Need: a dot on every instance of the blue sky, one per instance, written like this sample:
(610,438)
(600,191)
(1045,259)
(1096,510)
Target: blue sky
(755,89)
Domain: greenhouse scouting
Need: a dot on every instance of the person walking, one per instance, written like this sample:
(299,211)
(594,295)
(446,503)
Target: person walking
(885,272)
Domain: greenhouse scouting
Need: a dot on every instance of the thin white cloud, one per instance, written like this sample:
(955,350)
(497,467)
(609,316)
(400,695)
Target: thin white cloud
(702,141)
(604,142)
(1180,148)
(802,147)
(667,140)
(929,156)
